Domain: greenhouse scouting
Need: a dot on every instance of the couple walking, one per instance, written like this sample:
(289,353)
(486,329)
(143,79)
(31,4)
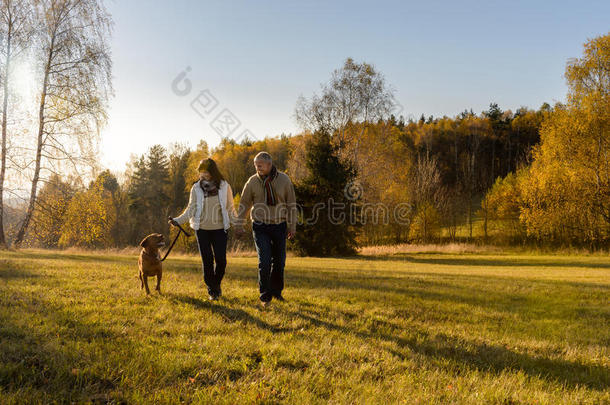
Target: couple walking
(210,212)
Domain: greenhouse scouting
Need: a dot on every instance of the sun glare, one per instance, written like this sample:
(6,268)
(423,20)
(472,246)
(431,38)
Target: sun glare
(22,81)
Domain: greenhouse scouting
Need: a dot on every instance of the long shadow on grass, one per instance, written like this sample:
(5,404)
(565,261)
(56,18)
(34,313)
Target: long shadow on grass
(11,270)
(531,304)
(72,256)
(528,298)
(35,360)
(487,262)
(228,314)
(310,277)
(478,356)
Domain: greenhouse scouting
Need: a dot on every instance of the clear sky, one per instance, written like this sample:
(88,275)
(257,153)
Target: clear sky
(255,58)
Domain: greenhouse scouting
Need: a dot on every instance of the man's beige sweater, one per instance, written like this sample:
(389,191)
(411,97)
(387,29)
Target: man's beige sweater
(253,195)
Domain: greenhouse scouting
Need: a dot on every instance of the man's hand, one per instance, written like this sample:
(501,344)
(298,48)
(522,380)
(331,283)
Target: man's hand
(171,221)
(291,234)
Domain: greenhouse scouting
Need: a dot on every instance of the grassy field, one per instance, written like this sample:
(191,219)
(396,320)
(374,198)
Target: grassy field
(405,328)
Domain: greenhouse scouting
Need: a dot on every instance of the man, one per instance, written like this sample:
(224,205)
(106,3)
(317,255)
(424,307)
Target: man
(270,194)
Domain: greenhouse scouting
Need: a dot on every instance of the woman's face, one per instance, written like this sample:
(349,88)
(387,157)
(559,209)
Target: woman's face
(205,175)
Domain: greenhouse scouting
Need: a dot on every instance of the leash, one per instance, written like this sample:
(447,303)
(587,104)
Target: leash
(175,239)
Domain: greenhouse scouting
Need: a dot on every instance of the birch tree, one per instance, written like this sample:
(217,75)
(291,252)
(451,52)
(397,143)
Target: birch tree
(74,63)
(356,93)
(15,30)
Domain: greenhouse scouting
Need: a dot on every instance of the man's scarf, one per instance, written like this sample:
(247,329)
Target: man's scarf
(269,193)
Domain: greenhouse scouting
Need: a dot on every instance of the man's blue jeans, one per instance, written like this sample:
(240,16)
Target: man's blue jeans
(270,241)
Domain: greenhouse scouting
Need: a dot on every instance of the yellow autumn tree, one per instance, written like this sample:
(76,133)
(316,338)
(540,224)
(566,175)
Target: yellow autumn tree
(503,202)
(567,192)
(382,161)
(89,219)
(52,203)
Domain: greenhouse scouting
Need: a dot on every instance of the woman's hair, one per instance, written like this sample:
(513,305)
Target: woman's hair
(210,166)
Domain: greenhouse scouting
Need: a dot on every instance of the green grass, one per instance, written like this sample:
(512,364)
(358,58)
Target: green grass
(407,328)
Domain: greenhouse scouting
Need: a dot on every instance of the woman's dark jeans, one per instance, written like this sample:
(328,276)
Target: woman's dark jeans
(213,247)
(270,241)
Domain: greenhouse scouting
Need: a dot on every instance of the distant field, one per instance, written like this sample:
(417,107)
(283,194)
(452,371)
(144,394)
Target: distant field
(436,327)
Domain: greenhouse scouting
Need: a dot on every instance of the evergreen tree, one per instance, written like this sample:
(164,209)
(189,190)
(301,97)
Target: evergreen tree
(158,189)
(149,194)
(137,205)
(178,189)
(324,232)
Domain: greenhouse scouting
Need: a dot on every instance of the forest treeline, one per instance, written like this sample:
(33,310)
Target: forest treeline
(530,176)
(442,166)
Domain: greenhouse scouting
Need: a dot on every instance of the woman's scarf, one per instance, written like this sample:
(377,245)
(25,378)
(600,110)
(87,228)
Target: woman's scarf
(269,193)
(209,188)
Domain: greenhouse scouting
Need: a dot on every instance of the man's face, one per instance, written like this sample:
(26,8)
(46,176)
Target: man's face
(262,167)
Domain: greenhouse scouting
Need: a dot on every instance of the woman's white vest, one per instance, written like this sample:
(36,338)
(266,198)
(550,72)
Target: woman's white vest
(194,212)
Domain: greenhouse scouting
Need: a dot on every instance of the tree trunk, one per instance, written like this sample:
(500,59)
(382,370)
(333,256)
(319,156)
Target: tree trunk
(470,216)
(485,218)
(454,210)
(470,192)
(3,244)
(41,121)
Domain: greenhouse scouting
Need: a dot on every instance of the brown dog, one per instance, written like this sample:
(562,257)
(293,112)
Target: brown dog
(150,261)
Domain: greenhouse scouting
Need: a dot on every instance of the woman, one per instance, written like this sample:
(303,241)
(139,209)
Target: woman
(210,212)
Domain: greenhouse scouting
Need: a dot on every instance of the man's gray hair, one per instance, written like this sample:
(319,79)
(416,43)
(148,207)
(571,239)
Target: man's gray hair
(262,156)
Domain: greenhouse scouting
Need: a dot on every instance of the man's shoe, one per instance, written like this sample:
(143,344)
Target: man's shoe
(279,297)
